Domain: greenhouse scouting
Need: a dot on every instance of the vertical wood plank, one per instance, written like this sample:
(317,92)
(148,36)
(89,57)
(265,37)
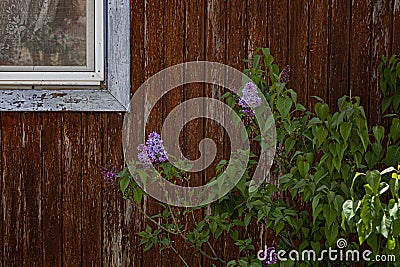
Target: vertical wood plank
(318,49)
(298,51)
(113,204)
(31,173)
(236,51)
(12,187)
(174,21)
(339,51)
(396,27)
(258,23)
(72,188)
(52,190)
(154,62)
(278,27)
(135,218)
(216,42)
(381,45)
(360,50)
(194,131)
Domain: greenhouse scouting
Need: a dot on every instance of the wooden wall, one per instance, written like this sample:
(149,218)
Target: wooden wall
(54,209)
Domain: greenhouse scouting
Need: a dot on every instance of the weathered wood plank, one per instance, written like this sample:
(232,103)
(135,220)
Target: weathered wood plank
(278,27)
(381,45)
(216,42)
(236,51)
(91,185)
(12,187)
(56,100)
(72,188)
(360,50)
(154,62)
(318,50)
(133,218)
(258,25)
(298,50)
(175,23)
(52,190)
(193,132)
(339,51)
(31,173)
(396,27)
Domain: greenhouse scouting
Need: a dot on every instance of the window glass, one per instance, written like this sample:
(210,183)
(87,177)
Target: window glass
(46,35)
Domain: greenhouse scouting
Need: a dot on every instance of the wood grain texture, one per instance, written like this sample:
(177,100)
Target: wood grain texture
(318,49)
(216,44)
(113,205)
(31,173)
(193,133)
(278,27)
(12,186)
(72,188)
(298,49)
(154,62)
(339,51)
(381,45)
(360,50)
(396,27)
(52,194)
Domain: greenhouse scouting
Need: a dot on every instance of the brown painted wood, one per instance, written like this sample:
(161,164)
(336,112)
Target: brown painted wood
(12,187)
(132,216)
(31,178)
(52,194)
(155,39)
(381,45)
(298,49)
(72,188)
(175,22)
(360,50)
(194,50)
(216,44)
(396,27)
(318,49)
(339,51)
(236,52)
(278,26)
(113,204)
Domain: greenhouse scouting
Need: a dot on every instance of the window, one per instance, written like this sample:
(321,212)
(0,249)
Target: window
(64,55)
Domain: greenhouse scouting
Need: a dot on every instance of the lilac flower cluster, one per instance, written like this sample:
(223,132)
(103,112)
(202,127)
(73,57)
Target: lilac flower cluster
(269,256)
(249,99)
(153,151)
(285,74)
(109,175)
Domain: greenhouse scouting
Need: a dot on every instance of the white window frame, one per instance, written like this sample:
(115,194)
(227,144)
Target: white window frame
(76,91)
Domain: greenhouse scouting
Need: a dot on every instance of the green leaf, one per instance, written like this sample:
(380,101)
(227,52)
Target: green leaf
(379,133)
(137,194)
(123,184)
(322,110)
(284,105)
(373,179)
(345,130)
(386,101)
(350,209)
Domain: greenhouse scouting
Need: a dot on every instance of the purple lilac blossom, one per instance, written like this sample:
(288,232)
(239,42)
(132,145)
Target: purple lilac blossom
(285,74)
(109,175)
(249,99)
(142,155)
(153,151)
(270,257)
